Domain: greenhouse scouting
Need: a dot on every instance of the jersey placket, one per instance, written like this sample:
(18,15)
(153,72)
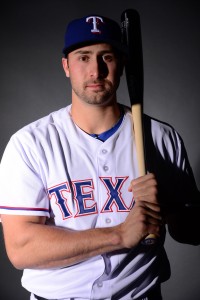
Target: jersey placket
(101,287)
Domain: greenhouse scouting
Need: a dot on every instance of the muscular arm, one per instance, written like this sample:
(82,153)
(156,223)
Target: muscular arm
(30,243)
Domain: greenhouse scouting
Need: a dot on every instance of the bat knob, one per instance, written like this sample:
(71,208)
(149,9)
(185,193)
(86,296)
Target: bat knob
(149,240)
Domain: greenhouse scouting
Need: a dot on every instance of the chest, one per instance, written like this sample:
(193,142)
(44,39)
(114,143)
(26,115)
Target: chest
(87,181)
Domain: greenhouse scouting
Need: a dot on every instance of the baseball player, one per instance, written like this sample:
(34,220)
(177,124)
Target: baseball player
(73,209)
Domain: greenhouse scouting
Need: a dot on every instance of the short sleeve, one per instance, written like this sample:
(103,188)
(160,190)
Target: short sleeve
(22,191)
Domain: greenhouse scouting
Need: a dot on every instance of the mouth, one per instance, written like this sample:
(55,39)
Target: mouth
(95,86)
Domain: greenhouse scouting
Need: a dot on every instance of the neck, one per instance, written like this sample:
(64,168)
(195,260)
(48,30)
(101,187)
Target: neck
(95,119)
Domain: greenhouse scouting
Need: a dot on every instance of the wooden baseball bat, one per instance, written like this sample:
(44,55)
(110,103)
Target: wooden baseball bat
(131,36)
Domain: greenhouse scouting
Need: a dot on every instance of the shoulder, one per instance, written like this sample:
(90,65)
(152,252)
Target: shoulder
(54,118)
(161,138)
(44,125)
(40,134)
(162,131)
(159,125)
(164,143)
(159,129)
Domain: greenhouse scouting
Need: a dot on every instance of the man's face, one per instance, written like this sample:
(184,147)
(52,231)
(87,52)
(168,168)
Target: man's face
(94,72)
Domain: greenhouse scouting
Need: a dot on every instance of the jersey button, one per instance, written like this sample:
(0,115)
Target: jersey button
(100,284)
(104,151)
(108,220)
(105,168)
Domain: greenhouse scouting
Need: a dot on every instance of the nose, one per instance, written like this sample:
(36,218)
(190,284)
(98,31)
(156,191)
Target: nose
(98,68)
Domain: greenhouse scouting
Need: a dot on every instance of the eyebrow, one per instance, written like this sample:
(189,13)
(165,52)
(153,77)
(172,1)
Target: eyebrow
(82,52)
(91,52)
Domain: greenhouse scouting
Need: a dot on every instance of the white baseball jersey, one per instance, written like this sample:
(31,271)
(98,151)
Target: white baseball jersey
(52,168)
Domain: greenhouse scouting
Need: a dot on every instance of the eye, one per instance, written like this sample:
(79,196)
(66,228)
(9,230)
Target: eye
(108,57)
(84,58)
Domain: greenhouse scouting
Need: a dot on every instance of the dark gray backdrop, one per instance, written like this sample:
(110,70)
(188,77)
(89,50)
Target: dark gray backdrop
(33,84)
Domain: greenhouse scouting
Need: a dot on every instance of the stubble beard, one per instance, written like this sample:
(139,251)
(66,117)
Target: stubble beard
(96,97)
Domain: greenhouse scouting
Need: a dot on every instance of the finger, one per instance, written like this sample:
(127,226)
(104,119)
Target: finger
(147,180)
(145,184)
(145,191)
(148,210)
(142,179)
(154,219)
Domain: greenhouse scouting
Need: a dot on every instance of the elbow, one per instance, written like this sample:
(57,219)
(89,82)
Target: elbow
(17,254)
(16,259)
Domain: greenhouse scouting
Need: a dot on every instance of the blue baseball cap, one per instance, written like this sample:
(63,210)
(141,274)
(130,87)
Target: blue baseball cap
(92,29)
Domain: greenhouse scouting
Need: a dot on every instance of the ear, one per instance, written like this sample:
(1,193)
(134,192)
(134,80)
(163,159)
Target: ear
(65,66)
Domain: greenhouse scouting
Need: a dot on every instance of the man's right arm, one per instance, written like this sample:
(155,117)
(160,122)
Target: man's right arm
(30,243)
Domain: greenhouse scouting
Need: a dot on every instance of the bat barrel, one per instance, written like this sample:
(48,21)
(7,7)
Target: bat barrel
(132,38)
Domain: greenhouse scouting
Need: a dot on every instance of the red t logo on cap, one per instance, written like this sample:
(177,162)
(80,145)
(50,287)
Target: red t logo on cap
(95,22)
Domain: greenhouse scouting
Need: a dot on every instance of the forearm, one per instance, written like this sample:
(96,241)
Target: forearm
(44,246)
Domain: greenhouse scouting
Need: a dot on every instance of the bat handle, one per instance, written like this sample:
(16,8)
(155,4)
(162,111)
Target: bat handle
(138,132)
(139,141)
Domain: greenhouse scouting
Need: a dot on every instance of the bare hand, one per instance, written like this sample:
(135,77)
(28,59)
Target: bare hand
(145,217)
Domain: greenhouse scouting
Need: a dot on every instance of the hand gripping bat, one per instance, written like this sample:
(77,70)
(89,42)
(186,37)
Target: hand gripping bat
(131,37)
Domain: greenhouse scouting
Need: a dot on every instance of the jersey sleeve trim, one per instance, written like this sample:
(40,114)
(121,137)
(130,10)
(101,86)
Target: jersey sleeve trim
(24,208)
